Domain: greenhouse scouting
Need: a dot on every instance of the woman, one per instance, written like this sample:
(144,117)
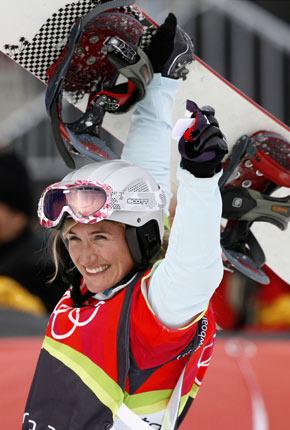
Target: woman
(128,345)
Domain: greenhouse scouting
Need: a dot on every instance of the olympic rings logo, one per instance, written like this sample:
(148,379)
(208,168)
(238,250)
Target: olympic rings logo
(74,315)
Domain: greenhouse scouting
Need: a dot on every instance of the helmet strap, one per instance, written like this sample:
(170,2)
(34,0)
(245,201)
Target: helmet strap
(144,242)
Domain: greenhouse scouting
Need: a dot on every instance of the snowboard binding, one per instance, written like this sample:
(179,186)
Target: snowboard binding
(106,43)
(258,165)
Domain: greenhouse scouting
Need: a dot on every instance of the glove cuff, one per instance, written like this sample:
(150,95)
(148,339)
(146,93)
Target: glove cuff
(200,170)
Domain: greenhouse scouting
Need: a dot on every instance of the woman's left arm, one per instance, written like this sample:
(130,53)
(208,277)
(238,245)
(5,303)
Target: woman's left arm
(183,283)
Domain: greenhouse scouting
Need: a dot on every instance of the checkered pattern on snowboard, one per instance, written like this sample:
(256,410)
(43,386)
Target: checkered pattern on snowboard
(149,28)
(43,50)
(39,54)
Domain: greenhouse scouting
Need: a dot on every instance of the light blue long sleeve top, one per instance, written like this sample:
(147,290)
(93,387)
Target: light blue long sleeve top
(184,281)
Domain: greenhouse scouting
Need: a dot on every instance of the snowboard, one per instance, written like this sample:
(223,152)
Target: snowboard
(35,36)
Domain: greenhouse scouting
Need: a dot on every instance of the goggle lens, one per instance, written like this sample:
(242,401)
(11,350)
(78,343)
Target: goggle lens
(83,201)
(53,203)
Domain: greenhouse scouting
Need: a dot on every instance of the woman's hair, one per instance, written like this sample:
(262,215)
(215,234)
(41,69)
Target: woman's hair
(59,252)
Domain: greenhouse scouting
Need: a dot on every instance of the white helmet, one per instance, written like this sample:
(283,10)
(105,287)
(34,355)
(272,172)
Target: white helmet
(133,198)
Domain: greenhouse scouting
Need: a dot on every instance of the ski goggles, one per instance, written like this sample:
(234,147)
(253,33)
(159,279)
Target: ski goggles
(90,202)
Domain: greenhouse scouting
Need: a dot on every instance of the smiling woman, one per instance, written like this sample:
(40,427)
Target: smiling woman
(128,344)
(100,253)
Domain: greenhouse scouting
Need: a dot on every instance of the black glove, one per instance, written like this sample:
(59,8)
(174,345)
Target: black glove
(162,43)
(202,146)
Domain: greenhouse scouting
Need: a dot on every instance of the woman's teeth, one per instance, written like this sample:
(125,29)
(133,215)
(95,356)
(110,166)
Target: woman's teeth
(97,269)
